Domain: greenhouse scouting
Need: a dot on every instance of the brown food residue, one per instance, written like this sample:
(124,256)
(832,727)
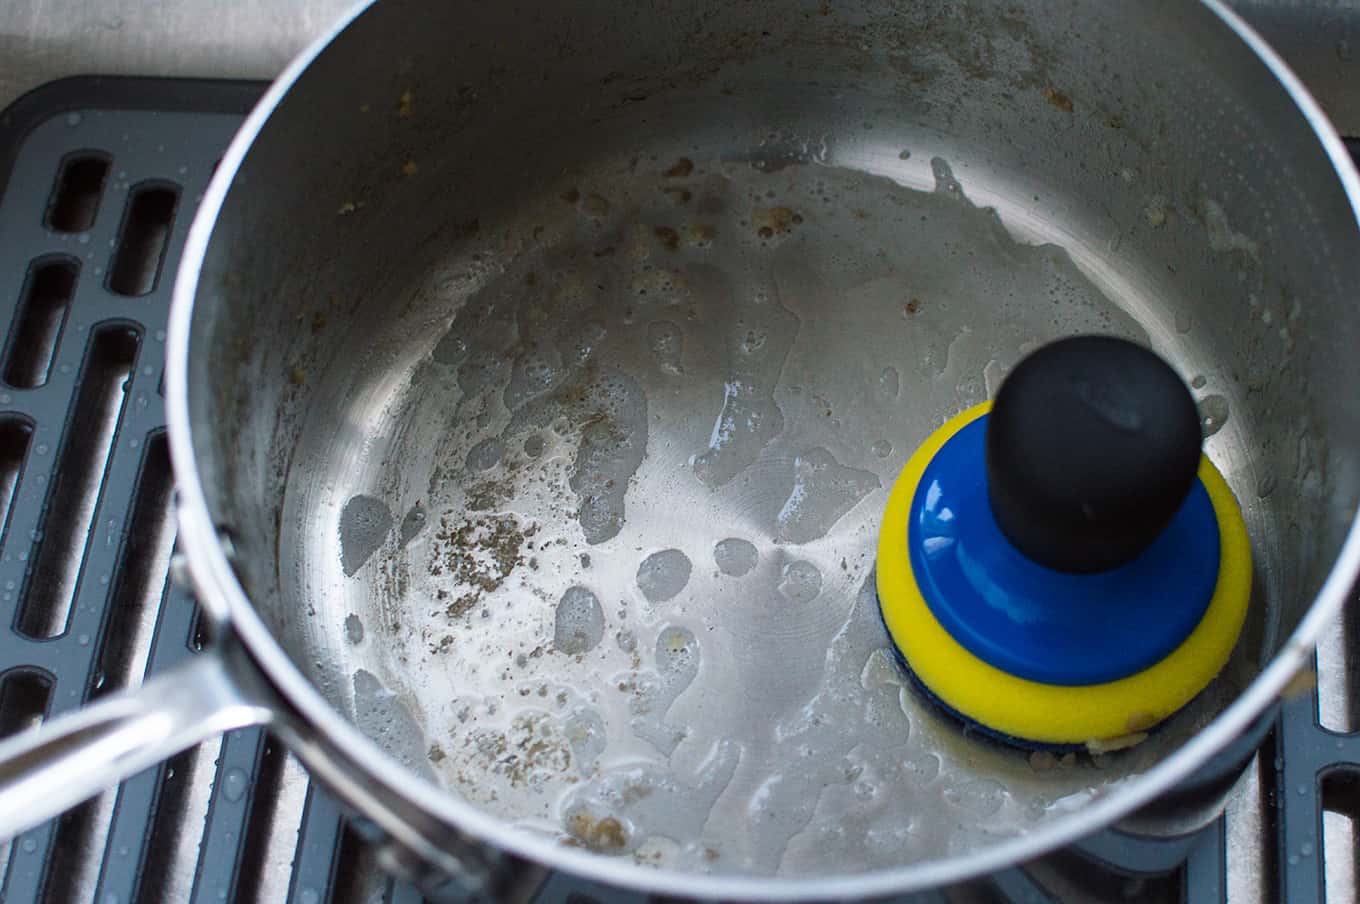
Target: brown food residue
(1058,99)
(318,322)
(406,104)
(701,234)
(770,221)
(479,553)
(603,836)
(527,754)
(436,753)
(912,306)
(463,605)
(409,168)
(680,169)
(669,238)
(678,195)
(297,376)
(1042,761)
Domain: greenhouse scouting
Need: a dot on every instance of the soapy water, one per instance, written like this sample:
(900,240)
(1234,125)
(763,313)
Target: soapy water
(823,491)
(658,384)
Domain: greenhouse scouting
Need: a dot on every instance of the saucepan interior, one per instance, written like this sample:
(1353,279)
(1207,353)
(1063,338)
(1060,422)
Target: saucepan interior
(551,365)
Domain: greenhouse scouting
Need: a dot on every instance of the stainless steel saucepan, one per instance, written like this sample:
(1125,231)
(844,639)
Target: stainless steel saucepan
(537,373)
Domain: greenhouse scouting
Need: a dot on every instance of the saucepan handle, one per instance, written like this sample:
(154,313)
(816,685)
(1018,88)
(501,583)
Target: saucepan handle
(49,769)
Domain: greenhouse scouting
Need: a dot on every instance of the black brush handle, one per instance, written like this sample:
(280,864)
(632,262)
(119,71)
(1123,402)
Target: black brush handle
(1093,444)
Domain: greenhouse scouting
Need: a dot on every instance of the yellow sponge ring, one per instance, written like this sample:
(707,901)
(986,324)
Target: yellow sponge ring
(1049,713)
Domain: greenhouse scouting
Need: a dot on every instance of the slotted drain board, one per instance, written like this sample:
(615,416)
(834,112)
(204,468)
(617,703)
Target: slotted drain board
(99,179)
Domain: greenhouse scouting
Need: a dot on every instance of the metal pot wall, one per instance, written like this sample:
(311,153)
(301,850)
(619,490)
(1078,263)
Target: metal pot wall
(537,373)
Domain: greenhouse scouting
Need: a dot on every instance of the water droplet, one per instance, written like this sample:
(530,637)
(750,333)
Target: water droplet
(735,556)
(83,640)
(579,623)
(667,345)
(485,455)
(1213,412)
(1293,860)
(28,846)
(234,784)
(309,896)
(800,581)
(1306,849)
(364,526)
(889,383)
(160,335)
(823,491)
(981,797)
(73,119)
(882,448)
(663,574)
